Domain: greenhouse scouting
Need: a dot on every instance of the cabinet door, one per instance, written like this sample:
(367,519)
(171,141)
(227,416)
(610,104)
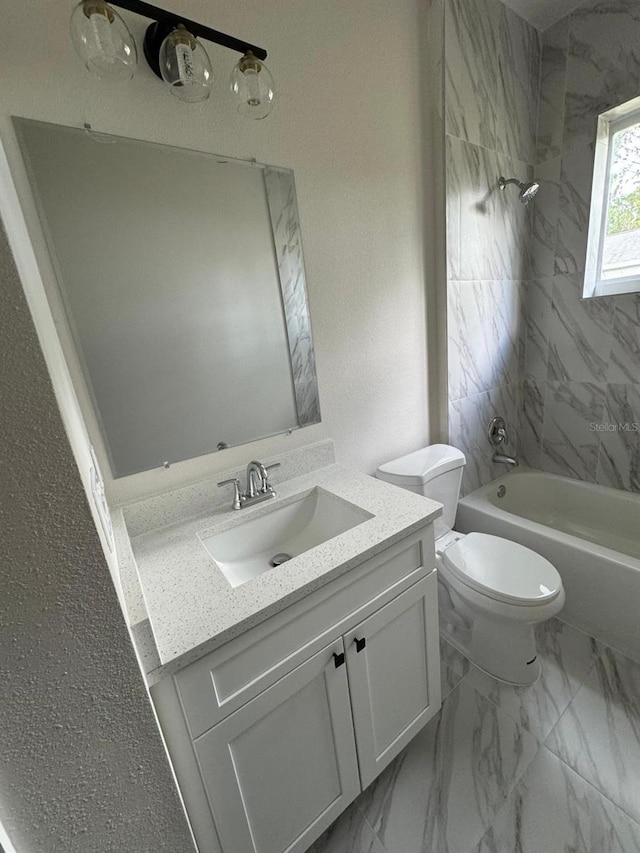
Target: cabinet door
(394,675)
(280,770)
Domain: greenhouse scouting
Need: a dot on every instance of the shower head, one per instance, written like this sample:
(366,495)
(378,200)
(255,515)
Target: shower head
(527,190)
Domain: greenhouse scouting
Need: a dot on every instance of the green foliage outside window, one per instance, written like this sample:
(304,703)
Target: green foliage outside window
(624,194)
(624,213)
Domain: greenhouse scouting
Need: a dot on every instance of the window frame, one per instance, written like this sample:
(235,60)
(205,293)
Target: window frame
(609,123)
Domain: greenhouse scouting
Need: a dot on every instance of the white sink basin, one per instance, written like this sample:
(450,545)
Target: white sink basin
(246,551)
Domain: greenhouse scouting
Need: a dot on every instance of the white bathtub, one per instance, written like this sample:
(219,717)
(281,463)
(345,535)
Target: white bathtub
(590,533)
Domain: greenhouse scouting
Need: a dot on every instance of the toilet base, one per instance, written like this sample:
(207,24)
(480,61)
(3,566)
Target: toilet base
(515,667)
(498,639)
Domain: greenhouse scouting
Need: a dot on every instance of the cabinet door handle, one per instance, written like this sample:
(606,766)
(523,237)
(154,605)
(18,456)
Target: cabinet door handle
(338,659)
(360,644)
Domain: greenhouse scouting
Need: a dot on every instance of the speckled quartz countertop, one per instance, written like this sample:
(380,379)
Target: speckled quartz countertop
(193,608)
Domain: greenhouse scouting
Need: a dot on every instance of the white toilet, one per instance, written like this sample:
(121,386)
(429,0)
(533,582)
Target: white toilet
(492,592)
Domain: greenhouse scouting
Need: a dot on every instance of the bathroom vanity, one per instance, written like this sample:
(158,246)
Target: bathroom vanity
(281,690)
(282,697)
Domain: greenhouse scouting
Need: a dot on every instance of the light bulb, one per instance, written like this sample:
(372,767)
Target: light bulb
(253,86)
(184,57)
(103,37)
(102,40)
(185,66)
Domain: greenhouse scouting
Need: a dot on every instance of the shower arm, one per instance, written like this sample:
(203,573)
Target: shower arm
(502,182)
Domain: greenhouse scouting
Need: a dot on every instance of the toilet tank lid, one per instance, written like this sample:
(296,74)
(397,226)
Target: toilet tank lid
(423,465)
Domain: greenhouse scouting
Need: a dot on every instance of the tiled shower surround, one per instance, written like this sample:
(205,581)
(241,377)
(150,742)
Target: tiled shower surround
(582,363)
(492,61)
(522,341)
(544,769)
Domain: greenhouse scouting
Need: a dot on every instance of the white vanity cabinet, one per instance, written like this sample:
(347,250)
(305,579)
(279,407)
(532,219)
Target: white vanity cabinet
(273,734)
(391,675)
(284,762)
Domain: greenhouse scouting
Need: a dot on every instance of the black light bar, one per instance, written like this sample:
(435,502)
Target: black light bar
(167,21)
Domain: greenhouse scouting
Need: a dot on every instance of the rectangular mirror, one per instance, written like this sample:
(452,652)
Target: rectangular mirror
(182,279)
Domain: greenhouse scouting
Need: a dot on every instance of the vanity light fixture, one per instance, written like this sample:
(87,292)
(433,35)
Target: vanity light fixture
(184,65)
(252,84)
(102,40)
(173,51)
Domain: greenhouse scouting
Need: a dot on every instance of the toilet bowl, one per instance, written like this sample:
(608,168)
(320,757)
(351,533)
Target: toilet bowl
(492,592)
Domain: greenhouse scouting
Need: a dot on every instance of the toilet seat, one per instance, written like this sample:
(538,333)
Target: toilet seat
(502,570)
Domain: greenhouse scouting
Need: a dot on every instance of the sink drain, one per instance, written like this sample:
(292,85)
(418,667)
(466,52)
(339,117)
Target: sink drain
(279,559)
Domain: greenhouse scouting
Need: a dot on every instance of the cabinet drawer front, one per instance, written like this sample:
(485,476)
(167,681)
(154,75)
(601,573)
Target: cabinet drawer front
(394,675)
(222,681)
(281,769)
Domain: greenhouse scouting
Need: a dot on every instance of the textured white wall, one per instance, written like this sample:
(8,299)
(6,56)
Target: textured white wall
(82,767)
(348,121)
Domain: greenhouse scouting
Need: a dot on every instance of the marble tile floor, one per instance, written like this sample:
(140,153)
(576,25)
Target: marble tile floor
(553,768)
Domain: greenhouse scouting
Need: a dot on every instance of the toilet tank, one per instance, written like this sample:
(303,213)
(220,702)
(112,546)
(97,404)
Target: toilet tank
(436,473)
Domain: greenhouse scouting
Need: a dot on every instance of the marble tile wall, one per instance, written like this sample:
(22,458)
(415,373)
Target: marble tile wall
(581,376)
(492,61)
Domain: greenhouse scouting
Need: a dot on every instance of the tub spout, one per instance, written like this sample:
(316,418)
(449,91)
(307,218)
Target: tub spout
(508,460)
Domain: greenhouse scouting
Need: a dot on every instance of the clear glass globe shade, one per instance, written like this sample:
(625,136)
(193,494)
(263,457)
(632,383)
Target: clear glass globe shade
(253,87)
(185,66)
(102,40)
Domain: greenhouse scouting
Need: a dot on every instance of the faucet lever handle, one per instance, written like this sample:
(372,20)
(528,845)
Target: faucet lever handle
(266,485)
(236,490)
(497,432)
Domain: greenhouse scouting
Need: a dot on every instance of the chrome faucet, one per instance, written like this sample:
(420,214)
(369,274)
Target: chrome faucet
(257,479)
(258,487)
(497,434)
(508,460)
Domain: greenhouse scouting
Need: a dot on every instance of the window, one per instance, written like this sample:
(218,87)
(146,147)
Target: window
(613,251)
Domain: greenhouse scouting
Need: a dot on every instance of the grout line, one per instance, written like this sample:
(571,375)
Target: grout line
(460,678)
(567,710)
(507,803)
(501,387)
(598,792)
(605,411)
(495,151)
(604,796)
(368,823)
